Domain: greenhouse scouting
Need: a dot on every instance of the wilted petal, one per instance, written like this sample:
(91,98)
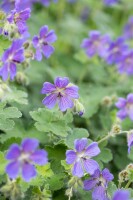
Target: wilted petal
(72,92)
(99,193)
(70,156)
(13,152)
(50,100)
(90,166)
(47,50)
(29,145)
(92,150)
(12,169)
(78,169)
(61,82)
(107,175)
(80,144)
(65,103)
(39,157)
(48,88)
(89,184)
(28,172)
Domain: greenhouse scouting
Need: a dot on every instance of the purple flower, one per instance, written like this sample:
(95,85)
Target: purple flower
(110,2)
(12,56)
(42,43)
(81,157)
(61,92)
(23,4)
(128,29)
(98,182)
(8,5)
(130,140)
(121,194)
(19,17)
(96,44)
(45,2)
(23,159)
(126,107)
(116,50)
(125,65)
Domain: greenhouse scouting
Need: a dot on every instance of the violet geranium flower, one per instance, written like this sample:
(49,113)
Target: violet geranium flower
(110,2)
(130,140)
(61,92)
(19,17)
(7,5)
(98,182)
(11,57)
(126,107)
(121,194)
(22,159)
(128,29)
(116,50)
(42,43)
(125,65)
(96,44)
(81,157)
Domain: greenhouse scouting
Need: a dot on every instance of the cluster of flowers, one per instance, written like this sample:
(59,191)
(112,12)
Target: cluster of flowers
(113,52)
(9,5)
(22,50)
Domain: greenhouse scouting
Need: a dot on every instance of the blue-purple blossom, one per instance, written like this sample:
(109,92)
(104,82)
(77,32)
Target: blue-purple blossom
(11,57)
(98,182)
(22,159)
(128,29)
(116,50)
(121,194)
(45,2)
(125,106)
(61,92)
(19,17)
(125,65)
(96,44)
(130,140)
(80,158)
(7,5)
(42,43)
(110,2)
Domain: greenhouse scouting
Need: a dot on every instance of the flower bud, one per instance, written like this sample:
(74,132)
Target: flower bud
(106,101)
(22,79)
(78,108)
(123,176)
(116,129)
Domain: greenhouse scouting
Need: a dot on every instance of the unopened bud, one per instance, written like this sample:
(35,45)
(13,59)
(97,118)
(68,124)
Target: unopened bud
(78,108)
(123,176)
(22,79)
(107,101)
(116,129)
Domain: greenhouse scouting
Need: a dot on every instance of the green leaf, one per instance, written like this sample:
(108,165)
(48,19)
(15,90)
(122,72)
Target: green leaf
(76,133)
(105,155)
(56,182)
(45,170)
(50,121)
(3,163)
(4,44)
(111,189)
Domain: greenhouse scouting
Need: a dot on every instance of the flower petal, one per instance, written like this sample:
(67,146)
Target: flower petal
(92,150)
(28,172)
(48,88)
(12,169)
(38,55)
(51,37)
(121,194)
(80,144)
(43,31)
(35,41)
(99,193)
(13,70)
(70,156)
(107,175)
(39,157)
(78,169)
(65,103)
(29,145)
(72,92)
(90,166)
(47,50)
(50,100)
(89,184)
(4,72)
(61,82)
(14,152)
(130,98)
(121,103)
(122,114)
